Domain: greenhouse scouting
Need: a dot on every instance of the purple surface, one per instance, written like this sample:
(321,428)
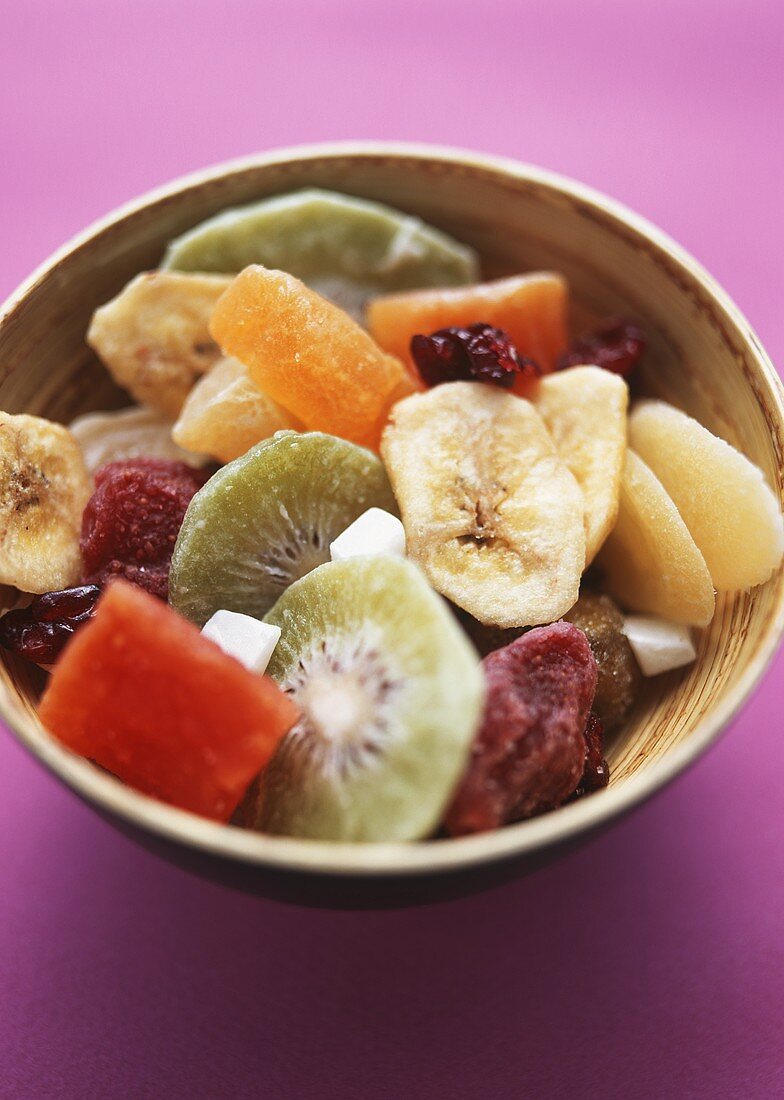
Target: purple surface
(650,964)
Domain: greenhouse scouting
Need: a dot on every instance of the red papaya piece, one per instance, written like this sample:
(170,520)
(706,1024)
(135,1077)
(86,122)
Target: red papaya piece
(139,691)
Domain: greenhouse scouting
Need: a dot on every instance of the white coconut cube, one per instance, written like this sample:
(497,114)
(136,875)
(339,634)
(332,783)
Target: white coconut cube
(248,640)
(658,645)
(374,532)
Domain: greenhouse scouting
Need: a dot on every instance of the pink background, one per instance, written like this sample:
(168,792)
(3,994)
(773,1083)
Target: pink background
(650,964)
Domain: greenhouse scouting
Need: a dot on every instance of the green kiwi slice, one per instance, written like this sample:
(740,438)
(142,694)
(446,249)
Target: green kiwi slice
(346,248)
(267,518)
(391,693)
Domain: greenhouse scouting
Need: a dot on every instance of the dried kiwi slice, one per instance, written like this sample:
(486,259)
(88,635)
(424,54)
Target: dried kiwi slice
(345,248)
(391,693)
(267,518)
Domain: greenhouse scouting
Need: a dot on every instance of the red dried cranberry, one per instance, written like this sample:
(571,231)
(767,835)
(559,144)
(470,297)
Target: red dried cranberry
(479,352)
(529,753)
(596,773)
(616,346)
(132,520)
(40,631)
(440,357)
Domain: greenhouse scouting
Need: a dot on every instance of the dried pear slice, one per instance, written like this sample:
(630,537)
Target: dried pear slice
(492,515)
(731,512)
(650,560)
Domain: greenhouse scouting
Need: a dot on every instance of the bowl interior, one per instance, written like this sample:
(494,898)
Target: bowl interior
(702,358)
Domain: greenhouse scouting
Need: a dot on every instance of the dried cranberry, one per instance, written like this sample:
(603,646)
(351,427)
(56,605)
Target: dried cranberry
(596,773)
(132,520)
(40,631)
(479,352)
(616,346)
(529,753)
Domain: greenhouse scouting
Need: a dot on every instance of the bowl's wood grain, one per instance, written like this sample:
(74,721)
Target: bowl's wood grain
(703,358)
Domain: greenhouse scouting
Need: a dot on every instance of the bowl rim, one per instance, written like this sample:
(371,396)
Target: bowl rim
(429,856)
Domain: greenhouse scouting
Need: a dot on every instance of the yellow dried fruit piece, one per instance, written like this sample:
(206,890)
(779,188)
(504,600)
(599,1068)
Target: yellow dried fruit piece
(226,413)
(154,336)
(650,560)
(309,355)
(730,510)
(128,433)
(44,486)
(492,515)
(584,410)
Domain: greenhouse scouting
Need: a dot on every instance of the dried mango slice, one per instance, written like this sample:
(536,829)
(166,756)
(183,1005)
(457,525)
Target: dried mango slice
(307,354)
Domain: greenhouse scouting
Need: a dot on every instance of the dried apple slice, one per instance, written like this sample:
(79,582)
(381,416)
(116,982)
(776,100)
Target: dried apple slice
(584,410)
(650,560)
(135,432)
(226,413)
(154,337)
(731,512)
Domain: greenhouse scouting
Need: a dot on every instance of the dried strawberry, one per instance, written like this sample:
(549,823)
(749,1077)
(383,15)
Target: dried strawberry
(132,520)
(479,352)
(529,754)
(616,346)
(596,773)
(40,631)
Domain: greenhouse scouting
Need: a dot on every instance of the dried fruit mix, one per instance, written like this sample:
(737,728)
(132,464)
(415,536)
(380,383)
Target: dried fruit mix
(508,462)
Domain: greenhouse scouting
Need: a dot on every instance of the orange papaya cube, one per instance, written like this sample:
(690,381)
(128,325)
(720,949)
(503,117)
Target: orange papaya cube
(531,308)
(143,694)
(308,355)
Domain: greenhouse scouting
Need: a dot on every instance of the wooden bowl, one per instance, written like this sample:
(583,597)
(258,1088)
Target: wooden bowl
(704,357)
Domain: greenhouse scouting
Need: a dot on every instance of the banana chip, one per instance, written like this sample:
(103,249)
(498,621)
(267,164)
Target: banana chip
(584,409)
(492,515)
(44,487)
(154,337)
